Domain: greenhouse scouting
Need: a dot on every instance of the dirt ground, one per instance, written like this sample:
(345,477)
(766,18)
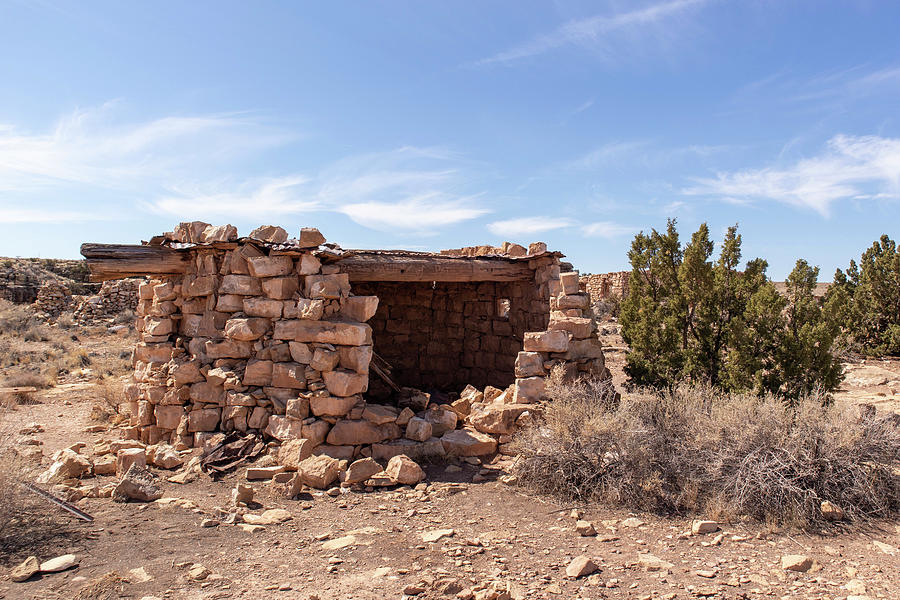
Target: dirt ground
(370,544)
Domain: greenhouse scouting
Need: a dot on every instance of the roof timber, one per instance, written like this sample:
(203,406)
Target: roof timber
(110,261)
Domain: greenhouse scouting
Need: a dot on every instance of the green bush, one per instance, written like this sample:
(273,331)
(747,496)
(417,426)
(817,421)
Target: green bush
(866,300)
(687,318)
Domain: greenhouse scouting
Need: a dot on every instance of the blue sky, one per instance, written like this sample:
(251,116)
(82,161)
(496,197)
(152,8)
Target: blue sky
(430,125)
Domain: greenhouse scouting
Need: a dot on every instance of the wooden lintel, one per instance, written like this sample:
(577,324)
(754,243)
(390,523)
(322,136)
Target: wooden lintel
(116,261)
(381,267)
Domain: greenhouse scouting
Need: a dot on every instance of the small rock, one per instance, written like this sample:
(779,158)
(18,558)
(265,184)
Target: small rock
(436,534)
(701,527)
(632,522)
(832,512)
(585,528)
(60,563)
(796,562)
(209,523)
(404,470)
(25,570)
(580,567)
(338,543)
(653,563)
(273,516)
(138,484)
(198,572)
(576,514)
(242,494)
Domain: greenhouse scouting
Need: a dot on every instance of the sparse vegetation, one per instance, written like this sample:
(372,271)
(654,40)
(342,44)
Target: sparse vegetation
(866,300)
(26,524)
(688,319)
(696,450)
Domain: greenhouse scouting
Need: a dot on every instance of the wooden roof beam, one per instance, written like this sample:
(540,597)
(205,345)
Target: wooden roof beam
(116,261)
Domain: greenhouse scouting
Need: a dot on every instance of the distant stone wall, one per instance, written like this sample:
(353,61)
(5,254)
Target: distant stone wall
(113,299)
(605,285)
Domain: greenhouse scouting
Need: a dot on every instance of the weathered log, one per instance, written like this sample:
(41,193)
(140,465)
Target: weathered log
(115,261)
(381,267)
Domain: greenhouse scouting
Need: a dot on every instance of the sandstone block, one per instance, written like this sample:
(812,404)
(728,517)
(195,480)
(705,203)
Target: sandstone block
(242,285)
(355,432)
(227,349)
(528,390)
(269,233)
(345,383)
(441,420)
(205,419)
(263,473)
(356,358)
(25,570)
(308,309)
(324,359)
(379,414)
(168,416)
(325,332)
(300,352)
(529,364)
(198,285)
(297,408)
(258,372)
(403,470)
(569,282)
(138,484)
(360,470)
(418,429)
(67,464)
(316,432)
(293,452)
(270,266)
(468,442)
(327,286)
(284,428)
(496,418)
(262,307)
(359,308)
(308,264)
(188,232)
(339,452)
(289,375)
(576,301)
(796,562)
(546,341)
(319,471)
(332,406)
(246,330)
(219,233)
(207,393)
(580,327)
(259,418)
(230,303)
(281,288)
(430,449)
(310,237)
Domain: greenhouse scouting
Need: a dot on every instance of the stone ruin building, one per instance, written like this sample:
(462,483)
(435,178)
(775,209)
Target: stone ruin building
(603,286)
(362,353)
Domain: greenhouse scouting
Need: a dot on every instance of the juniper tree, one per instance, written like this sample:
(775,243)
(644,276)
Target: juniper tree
(689,318)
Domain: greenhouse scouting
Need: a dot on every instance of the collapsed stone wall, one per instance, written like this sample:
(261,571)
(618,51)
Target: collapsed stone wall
(53,299)
(261,335)
(602,286)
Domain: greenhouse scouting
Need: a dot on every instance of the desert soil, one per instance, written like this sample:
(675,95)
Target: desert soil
(370,544)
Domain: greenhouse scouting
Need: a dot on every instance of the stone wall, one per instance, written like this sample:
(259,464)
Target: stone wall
(605,285)
(266,334)
(113,299)
(449,335)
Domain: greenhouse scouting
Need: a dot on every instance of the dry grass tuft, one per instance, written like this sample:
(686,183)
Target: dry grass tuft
(110,393)
(694,450)
(109,586)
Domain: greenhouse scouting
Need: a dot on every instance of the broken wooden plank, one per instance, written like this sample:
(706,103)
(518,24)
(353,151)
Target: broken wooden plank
(381,267)
(116,261)
(57,501)
(18,390)
(384,377)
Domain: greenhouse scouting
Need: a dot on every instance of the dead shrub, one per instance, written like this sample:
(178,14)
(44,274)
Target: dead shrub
(110,393)
(694,450)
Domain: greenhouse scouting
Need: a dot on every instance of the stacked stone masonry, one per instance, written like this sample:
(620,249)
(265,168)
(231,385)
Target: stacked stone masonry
(605,285)
(266,334)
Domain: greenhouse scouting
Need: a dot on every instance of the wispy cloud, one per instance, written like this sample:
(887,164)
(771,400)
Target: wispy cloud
(87,148)
(607,229)
(643,153)
(195,168)
(849,167)
(525,226)
(595,32)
